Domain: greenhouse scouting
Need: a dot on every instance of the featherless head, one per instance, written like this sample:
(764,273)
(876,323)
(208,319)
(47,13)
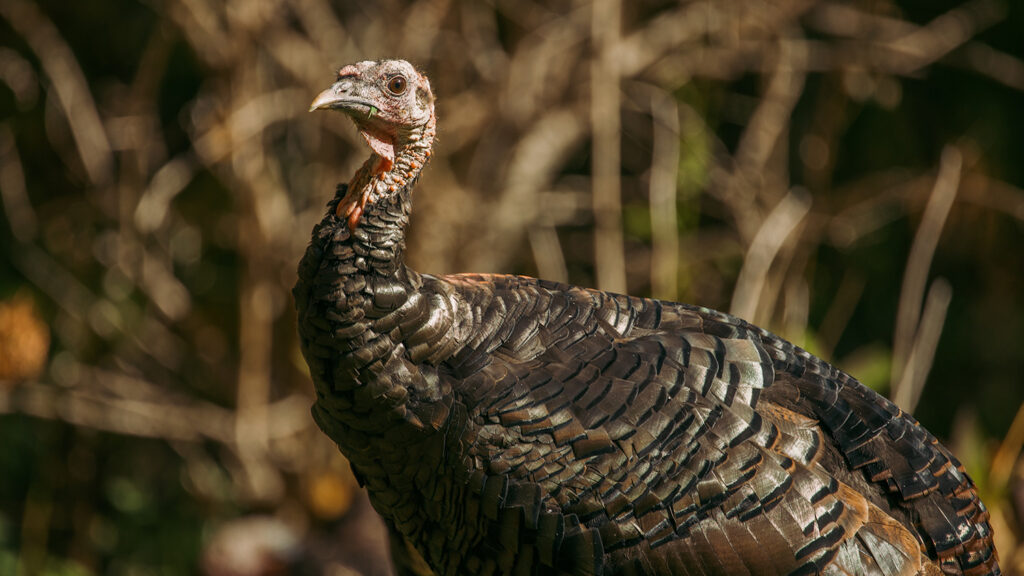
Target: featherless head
(389,101)
(393,108)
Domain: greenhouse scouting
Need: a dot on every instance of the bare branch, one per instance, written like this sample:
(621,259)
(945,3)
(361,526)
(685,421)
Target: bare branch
(764,134)
(21,217)
(920,259)
(776,228)
(732,26)
(985,191)
(533,165)
(896,46)
(70,84)
(945,33)
(610,259)
(547,253)
(839,312)
(152,209)
(908,392)
(999,66)
(663,182)
(163,417)
(1008,454)
(19,76)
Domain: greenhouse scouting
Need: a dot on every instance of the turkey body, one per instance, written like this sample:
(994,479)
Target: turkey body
(508,425)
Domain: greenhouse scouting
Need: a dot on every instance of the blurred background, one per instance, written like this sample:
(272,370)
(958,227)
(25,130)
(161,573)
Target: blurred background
(847,174)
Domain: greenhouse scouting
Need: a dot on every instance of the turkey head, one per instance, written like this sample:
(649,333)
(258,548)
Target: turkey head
(392,106)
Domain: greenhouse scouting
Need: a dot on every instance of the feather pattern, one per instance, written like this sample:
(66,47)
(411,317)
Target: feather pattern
(509,425)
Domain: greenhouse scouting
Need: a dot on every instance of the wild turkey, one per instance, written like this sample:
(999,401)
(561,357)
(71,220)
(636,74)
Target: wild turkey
(509,425)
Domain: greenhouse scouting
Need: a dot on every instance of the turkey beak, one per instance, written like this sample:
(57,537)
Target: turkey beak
(333,97)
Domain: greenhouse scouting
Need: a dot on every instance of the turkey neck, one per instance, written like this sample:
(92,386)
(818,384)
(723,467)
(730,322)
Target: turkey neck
(382,188)
(373,332)
(360,291)
(381,191)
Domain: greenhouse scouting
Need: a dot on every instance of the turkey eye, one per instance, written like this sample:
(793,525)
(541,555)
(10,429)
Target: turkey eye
(397,85)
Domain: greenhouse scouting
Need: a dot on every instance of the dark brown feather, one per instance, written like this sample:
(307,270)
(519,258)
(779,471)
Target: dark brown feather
(507,425)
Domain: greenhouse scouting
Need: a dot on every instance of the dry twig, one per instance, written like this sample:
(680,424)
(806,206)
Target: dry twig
(916,276)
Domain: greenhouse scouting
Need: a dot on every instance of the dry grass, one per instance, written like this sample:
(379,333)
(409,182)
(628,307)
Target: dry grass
(171,312)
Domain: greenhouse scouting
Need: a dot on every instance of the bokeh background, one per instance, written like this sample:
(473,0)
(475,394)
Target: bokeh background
(848,174)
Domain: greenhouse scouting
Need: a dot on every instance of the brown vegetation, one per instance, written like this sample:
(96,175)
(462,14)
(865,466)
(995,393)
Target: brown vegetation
(846,174)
